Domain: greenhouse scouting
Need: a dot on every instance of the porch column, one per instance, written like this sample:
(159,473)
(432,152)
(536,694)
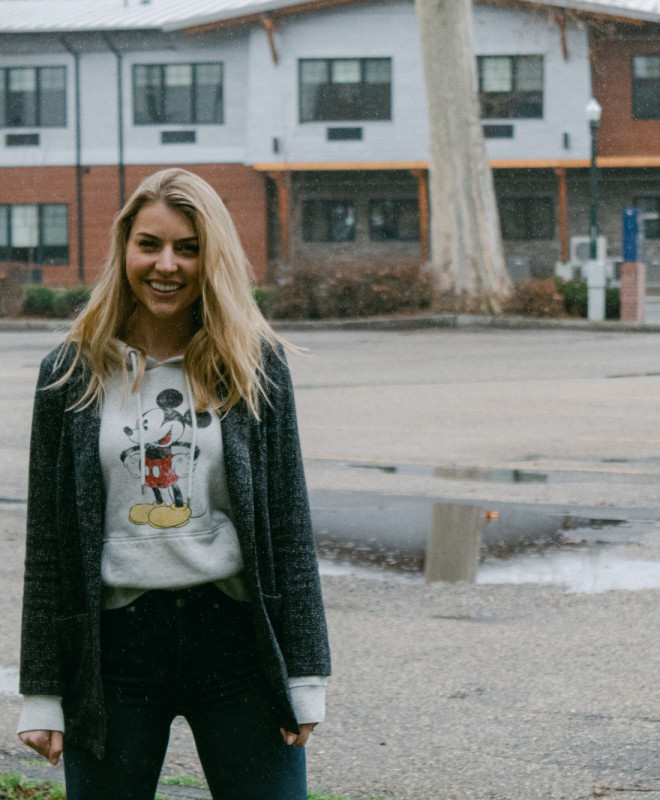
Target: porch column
(283,183)
(562,209)
(422,176)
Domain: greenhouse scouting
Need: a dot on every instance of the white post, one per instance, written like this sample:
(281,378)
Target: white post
(596,290)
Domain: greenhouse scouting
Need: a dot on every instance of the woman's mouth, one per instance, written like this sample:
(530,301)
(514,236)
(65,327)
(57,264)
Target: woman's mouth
(164,287)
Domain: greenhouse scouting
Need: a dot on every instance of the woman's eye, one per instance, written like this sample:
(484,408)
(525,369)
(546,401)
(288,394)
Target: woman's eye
(189,249)
(146,244)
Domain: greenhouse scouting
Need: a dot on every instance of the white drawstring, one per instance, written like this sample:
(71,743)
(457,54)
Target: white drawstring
(143,461)
(193,424)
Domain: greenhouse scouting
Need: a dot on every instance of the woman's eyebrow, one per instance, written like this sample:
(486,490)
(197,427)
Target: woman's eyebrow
(157,238)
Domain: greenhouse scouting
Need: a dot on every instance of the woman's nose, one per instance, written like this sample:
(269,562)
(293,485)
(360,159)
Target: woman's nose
(166,259)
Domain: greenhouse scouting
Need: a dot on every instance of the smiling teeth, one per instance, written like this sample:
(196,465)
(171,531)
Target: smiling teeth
(164,287)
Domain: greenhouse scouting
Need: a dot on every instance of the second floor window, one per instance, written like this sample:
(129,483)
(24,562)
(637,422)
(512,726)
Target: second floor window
(646,87)
(345,89)
(34,234)
(32,97)
(172,94)
(510,87)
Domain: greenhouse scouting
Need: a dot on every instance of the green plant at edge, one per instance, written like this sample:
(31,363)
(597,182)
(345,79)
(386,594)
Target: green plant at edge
(12,783)
(180,780)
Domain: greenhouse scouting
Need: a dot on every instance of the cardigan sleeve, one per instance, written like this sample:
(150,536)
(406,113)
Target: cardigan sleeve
(40,658)
(303,633)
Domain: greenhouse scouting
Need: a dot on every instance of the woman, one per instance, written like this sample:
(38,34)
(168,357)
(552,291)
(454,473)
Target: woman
(170,565)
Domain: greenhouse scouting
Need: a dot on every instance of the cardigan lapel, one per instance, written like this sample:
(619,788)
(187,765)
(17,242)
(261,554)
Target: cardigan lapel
(236,440)
(86,426)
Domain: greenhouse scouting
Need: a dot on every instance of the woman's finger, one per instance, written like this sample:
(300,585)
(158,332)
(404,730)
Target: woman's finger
(300,739)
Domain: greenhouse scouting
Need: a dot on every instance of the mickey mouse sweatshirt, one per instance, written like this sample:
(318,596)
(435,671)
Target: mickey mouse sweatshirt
(168,516)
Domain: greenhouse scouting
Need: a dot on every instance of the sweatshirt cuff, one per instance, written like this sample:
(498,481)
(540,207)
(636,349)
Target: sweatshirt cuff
(41,712)
(308,698)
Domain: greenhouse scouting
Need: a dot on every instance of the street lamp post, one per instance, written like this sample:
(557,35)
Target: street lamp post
(595,269)
(593,111)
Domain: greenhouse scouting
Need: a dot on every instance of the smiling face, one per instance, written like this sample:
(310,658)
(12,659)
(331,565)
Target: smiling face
(163,264)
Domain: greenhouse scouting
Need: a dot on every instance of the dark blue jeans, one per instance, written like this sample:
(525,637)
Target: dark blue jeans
(188,653)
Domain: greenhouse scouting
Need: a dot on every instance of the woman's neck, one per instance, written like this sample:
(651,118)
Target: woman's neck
(160,339)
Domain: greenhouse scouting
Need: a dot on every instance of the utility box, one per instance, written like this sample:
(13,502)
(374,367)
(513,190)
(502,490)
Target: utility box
(633,268)
(633,242)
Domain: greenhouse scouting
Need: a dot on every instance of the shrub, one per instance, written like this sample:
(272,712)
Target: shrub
(38,301)
(313,292)
(536,297)
(69,302)
(266,298)
(575,294)
(612,303)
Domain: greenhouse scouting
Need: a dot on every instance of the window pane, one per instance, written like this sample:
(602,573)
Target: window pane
(529,72)
(526,218)
(22,98)
(208,93)
(496,74)
(378,70)
(178,93)
(359,89)
(646,87)
(54,228)
(394,220)
(328,221)
(315,71)
(3,77)
(24,226)
(4,226)
(646,66)
(52,96)
(408,221)
(147,94)
(346,71)
(511,87)
(651,211)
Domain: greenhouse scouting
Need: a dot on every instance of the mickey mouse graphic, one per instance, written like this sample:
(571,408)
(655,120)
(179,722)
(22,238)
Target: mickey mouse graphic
(166,460)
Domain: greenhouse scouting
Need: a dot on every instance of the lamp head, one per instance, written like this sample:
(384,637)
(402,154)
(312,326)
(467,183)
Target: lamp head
(593,111)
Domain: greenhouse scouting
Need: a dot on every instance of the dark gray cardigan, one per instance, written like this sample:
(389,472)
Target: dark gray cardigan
(60,650)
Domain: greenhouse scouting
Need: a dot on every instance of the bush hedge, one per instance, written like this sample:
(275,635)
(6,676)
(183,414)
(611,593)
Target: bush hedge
(44,301)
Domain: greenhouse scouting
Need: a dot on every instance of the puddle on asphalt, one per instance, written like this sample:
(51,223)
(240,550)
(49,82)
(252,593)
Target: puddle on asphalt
(628,474)
(461,542)
(494,475)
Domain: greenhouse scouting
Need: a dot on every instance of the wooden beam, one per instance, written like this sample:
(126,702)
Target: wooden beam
(333,166)
(422,176)
(560,19)
(283,184)
(270,27)
(562,208)
(610,162)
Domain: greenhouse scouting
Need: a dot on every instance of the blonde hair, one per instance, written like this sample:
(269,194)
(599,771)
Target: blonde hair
(226,349)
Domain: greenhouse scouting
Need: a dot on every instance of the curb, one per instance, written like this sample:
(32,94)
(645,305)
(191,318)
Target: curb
(410,322)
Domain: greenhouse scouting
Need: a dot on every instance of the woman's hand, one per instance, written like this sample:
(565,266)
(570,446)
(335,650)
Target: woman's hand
(48,744)
(299,739)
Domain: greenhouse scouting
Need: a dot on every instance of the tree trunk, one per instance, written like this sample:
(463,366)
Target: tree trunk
(466,248)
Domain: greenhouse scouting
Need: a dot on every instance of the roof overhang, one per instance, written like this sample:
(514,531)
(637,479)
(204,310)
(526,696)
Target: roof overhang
(619,11)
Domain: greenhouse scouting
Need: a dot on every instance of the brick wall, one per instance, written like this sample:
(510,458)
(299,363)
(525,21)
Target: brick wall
(242,189)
